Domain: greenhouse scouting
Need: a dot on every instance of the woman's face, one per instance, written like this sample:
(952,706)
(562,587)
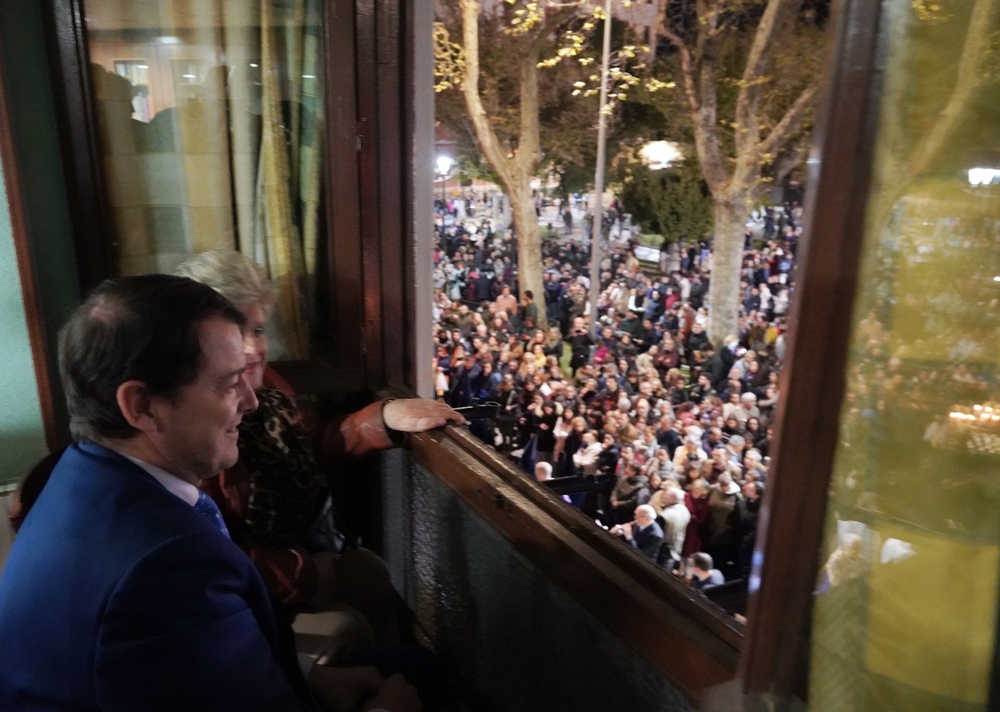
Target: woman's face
(255,343)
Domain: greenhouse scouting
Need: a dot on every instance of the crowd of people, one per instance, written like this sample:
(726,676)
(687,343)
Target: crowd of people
(669,432)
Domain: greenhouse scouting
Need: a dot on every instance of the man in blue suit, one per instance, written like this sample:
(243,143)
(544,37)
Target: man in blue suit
(123,590)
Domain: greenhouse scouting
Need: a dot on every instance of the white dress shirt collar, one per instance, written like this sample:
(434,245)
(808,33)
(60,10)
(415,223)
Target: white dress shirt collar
(174,485)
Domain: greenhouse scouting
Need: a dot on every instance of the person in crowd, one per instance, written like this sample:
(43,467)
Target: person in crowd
(642,533)
(631,490)
(689,450)
(722,525)
(696,501)
(506,302)
(586,459)
(168,613)
(607,461)
(703,573)
(659,464)
(676,518)
(748,509)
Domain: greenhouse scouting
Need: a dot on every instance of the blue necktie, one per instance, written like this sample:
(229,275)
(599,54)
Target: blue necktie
(210,510)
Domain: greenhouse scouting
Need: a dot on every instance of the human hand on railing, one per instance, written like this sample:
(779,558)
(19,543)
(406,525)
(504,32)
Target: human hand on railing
(415,415)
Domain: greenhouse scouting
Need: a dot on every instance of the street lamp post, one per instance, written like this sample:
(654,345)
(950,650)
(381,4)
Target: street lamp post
(602,130)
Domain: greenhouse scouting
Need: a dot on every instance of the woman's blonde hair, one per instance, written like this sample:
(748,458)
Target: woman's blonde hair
(232,274)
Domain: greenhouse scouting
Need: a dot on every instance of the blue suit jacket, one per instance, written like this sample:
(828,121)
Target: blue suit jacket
(119,596)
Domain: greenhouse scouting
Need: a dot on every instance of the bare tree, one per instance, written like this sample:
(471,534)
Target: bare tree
(741,155)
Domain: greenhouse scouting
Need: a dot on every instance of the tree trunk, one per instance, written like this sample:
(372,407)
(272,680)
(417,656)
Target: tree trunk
(727,261)
(529,244)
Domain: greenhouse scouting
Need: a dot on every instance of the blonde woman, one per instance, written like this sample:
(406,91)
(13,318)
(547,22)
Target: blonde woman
(275,500)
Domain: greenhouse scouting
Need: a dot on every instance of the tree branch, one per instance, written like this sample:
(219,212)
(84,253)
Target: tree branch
(751,83)
(705,119)
(687,70)
(790,122)
(789,158)
(485,135)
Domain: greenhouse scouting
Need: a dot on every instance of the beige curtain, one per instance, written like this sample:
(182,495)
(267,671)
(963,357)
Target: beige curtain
(226,149)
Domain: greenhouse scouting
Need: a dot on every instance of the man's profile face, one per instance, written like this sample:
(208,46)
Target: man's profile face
(197,429)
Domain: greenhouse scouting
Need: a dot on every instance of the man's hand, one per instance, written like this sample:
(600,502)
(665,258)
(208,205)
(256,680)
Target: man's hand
(343,689)
(627,530)
(395,695)
(415,415)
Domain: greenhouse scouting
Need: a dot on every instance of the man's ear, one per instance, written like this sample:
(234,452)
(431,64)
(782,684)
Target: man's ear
(137,406)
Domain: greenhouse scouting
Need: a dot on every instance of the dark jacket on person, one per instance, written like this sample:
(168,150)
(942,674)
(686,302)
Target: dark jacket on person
(647,540)
(631,492)
(698,342)
(719,366)
(607,461)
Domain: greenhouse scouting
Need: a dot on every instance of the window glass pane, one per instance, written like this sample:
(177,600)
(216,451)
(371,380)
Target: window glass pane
(904,615)
(210,123)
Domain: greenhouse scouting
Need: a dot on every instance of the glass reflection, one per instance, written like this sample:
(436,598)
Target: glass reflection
(905,608)
(209,117)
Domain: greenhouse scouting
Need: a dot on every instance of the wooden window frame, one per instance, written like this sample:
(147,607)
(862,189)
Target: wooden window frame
(378,178)
(46,374)
(772,657)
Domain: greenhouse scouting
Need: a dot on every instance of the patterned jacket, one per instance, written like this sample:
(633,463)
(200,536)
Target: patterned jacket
(289,570)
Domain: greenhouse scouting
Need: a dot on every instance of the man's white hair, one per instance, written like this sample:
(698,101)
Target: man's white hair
(647,509)
(544,467)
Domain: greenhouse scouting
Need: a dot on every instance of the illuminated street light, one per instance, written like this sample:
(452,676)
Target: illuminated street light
(660,154)
(983,176)
(444,164)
